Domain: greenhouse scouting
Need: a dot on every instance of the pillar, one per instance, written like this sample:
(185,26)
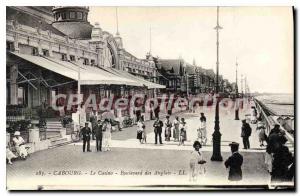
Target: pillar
(13,85)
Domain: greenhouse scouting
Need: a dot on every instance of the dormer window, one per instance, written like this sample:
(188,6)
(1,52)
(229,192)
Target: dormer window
(10,46)
(63,15)
(72,15)
(35,51)
(72,58)
(86,61)
(79,15)
(45,52)
(64,57)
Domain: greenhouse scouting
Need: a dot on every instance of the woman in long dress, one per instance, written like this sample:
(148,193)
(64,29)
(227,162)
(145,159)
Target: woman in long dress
(167,126)
(107,135)
(261,131)
(140,130)
(176,129)
(202,134)
(197,163)
(253,115)
(183,128)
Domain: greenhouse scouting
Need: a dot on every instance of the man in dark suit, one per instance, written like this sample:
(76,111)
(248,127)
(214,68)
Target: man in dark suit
(98,134)
(86,137)
(158,124)
(246,133)
(234,163)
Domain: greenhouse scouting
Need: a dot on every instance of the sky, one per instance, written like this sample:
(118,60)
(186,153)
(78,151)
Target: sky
(260,39)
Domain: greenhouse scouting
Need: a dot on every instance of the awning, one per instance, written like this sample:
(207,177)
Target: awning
(149,85)
(88,75)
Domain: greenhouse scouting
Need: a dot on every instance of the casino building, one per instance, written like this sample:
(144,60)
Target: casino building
(53,50)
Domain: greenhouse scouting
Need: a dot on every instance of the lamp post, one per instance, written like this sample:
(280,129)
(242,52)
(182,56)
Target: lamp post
(216,156)
(242,86)
(236,94)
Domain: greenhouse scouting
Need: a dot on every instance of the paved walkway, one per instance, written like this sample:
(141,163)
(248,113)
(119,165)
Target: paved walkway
(166,164)
(108,169)
(229,128)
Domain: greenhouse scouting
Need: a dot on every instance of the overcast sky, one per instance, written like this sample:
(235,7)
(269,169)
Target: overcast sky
(261,38)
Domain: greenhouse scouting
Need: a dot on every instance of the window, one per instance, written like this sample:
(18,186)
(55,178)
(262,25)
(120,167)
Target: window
(63,15)
(35,51)
(72,58)
(72,15)
(45,52)
(84,16)
(79,15)
(10,46)
(20,96)
(86,61)
(64,57)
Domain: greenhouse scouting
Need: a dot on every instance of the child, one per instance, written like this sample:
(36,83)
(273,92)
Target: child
(196,162)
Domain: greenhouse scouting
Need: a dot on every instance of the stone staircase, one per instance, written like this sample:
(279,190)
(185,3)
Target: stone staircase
(54,135)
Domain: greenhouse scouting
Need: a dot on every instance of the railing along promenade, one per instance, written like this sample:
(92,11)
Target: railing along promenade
(269,120)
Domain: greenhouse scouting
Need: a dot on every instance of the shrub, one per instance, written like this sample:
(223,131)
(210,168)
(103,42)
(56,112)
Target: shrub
(66,120)
(21,125)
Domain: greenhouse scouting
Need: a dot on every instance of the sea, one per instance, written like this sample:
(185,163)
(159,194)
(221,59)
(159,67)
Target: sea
(280,104)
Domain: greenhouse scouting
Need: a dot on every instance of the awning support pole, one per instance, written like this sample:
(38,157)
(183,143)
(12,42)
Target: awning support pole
(27,80)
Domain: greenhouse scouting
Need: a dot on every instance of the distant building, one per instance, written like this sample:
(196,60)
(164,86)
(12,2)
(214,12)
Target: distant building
(181,77)
(171,73)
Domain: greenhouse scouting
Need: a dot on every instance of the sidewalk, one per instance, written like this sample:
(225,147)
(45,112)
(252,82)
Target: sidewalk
(165,162)
(229,128)
(167,167)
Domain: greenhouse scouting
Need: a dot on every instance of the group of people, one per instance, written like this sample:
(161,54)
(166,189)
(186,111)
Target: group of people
(279,159)
(233,163)
(102,131)
(20,147)
(177,128)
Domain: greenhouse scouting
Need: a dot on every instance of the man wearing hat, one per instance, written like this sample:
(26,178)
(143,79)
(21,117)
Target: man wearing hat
(234,163)
(86,136)
(98,134)
(158,124)
(245,134)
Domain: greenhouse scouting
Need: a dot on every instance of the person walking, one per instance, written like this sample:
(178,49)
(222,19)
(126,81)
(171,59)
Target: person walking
(253,115)
(282,159)
(167,126)
(261,131)
(274,141)
(98,135)
(245,134)
(183,130)
(86,137)
(144,135)
(202,134)
(158,124)
(107,127)
(176,124)
(196,162)
(140,130)
(234,163)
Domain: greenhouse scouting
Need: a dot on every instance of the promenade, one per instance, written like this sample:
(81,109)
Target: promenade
(132,164)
